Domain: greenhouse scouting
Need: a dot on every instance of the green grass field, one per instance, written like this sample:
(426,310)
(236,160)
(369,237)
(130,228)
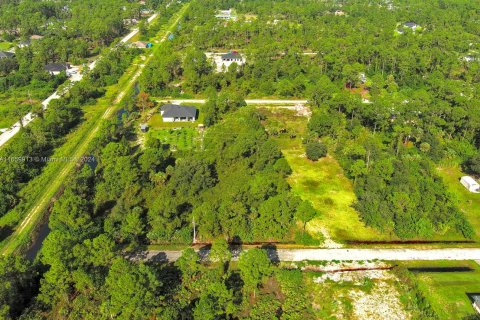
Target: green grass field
(323,182)
(5,46)
(468,202)
(447,291)
(179,139)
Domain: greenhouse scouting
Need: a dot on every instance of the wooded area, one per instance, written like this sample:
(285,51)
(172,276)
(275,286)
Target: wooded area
(390,106)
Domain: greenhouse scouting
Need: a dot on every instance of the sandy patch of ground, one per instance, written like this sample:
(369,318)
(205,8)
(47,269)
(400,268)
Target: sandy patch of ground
(372,294)
(329,242)
(383,302)
(356,277)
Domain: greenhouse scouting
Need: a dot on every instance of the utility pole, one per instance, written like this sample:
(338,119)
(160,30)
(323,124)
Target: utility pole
(194,230)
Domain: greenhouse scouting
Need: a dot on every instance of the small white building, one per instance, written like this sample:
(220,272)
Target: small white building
(226,15)
(470,184)
(476,303)
(469,58)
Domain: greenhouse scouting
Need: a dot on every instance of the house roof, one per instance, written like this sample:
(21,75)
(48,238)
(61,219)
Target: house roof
(177,111)
(56,67)
(24,43)
(6,54)
(410,24)
(140,44)
(231,55)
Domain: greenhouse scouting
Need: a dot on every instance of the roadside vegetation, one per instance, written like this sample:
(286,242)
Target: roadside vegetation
(447,286)
(323,182)
(33,199)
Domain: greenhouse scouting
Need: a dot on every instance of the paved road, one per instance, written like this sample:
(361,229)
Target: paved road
(251,101)
(77,76)
(335,254)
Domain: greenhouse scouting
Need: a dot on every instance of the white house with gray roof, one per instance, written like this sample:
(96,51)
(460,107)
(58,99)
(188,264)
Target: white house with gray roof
(6,54)
(224,60)
(178,113)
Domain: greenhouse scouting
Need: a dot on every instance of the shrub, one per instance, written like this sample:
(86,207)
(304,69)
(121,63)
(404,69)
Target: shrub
(315,150)
(472,165)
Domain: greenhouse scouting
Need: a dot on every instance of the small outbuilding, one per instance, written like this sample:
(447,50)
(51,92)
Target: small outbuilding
(178,113)
(471,184)
(469,58)
(144,127)
(226,15)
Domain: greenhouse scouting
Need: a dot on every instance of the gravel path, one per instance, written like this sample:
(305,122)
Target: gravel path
(334,254)
(248,101)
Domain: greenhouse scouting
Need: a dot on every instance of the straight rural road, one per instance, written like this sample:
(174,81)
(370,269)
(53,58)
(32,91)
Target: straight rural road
(34,213)
(29,117)
(250,101)
(332,254)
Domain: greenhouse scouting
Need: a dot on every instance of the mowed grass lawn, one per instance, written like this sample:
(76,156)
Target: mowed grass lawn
(322,182)
(446,289)
(178,139)
(468,202)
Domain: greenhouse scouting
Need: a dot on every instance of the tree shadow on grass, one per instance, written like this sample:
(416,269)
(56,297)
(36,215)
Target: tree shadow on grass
(441,269)
(5,232)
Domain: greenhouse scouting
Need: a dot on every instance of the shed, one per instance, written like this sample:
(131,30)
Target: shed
(144,127)
(470,183)
(178,113)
